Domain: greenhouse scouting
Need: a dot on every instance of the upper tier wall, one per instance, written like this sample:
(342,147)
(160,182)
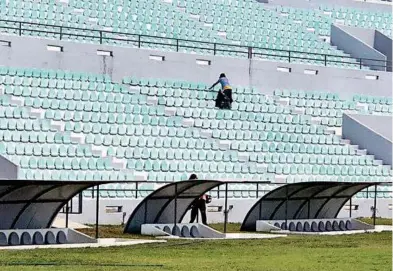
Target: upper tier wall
(32,52)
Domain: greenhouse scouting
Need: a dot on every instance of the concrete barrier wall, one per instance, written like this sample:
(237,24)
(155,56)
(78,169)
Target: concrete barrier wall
(366,35)
(373,133)
(356,47)
(32,52)
(383,44)
(8,170)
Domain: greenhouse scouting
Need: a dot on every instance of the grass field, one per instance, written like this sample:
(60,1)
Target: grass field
(351,252)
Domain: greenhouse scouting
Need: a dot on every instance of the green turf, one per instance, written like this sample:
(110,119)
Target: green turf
(378,221)
(294,253)
(351,252)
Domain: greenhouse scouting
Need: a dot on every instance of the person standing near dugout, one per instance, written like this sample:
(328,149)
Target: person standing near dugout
(198,204)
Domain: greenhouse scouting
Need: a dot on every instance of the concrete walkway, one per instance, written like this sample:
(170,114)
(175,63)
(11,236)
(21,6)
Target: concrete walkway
(230,236)
(103,242)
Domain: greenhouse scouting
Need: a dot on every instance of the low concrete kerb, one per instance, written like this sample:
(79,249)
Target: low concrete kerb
(103,242)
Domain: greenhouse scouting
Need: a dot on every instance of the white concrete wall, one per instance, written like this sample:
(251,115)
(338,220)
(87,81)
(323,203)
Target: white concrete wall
(32,52)
(350,40)
(373,133)
(384,45)
(8,170)
(366,35)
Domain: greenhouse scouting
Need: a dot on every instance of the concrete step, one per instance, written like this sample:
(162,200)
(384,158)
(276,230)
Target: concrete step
(58,125)
(315,120)
(330,131)
(37,113)
(345,141)
(194,16)
(243,157)
(222,34)
(170,111)
(224,144)
(282,101)
(361,152)
(206,133)
(334,131)
(150,100)
(134,89)
(370,156)
(188,122)
(98,151)
(378,162)
(77,138)
(356,147)
(19,101)
(280,178)
(299,110)
(119,163)
(359,107)
(261,167)
(140,176)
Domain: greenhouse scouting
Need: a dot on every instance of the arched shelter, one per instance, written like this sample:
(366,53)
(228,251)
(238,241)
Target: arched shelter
(168,204)
(306,200)
(26,204)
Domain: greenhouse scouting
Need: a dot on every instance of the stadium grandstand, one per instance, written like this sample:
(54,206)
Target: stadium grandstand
(118,90)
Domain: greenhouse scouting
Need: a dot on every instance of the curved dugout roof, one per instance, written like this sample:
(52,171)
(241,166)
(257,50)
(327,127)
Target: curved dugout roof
(159,206)
(308,200)
(34,204)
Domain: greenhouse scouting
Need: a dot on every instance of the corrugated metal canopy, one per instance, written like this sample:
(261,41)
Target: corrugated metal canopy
(26,204)
(308,200)
(159,206)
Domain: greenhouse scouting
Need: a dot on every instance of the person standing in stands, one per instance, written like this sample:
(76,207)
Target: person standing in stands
(198,204)
(224,96)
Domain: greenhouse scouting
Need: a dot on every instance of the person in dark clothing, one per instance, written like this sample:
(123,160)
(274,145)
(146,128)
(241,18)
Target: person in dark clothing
(224,96)
(198,204)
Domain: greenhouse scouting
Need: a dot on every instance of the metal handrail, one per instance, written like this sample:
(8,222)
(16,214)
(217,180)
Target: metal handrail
(257,189)
(250,51)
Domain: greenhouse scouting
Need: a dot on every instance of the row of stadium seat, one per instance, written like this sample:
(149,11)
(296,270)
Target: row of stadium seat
(150,135)
(243,122)
(321,19)
(197,144)
(41,74)
(361,18)
(197,166)
(277,32)
(150,139)
(12,124)
(128,190)
(141,99)
(329,111)
(161,20)
(168,152)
